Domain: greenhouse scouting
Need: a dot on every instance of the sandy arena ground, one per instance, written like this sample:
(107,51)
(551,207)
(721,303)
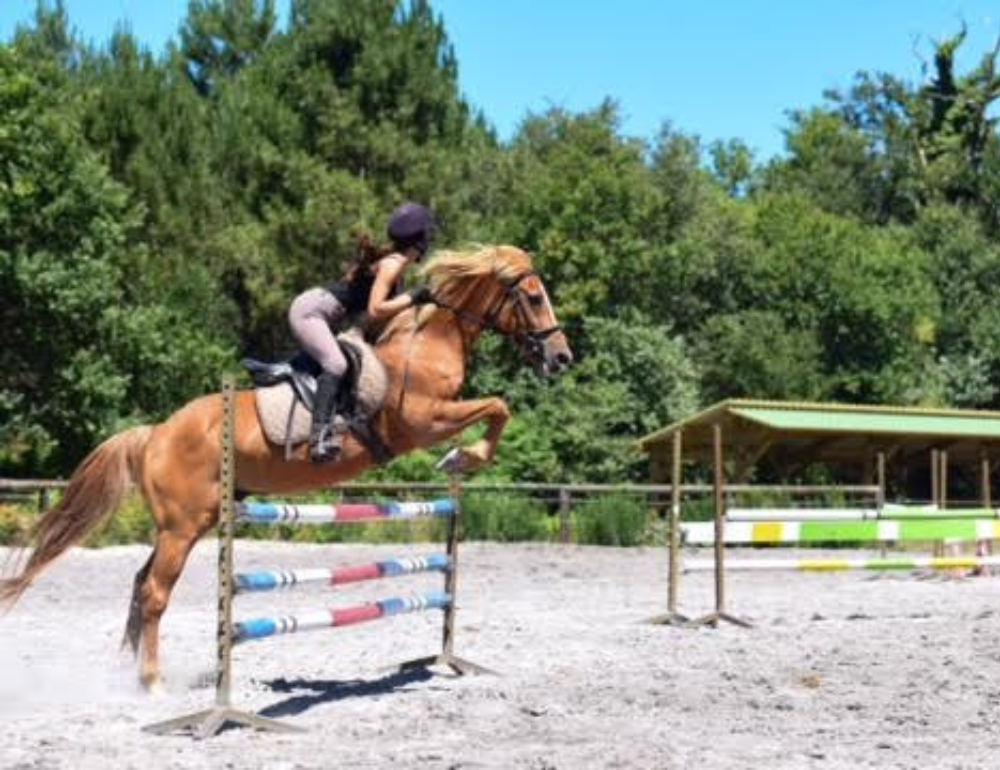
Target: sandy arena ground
(840,671)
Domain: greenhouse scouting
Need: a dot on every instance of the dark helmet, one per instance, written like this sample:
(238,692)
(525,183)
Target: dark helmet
(411,225)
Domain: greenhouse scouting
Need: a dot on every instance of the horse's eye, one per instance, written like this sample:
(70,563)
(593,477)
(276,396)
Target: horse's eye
(536,300)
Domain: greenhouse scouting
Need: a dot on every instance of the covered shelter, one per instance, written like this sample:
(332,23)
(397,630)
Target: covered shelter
(862,444)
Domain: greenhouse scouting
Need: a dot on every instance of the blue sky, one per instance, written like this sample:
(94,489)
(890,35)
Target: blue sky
(717,68)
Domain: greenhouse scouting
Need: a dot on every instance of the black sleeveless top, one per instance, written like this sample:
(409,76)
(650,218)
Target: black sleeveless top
(354,295)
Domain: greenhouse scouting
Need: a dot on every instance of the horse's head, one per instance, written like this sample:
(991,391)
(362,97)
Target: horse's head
(497,288)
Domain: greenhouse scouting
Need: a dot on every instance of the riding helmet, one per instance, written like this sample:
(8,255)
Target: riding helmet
(411,225)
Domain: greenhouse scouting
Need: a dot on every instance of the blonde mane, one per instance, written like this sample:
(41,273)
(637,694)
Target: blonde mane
(451,275)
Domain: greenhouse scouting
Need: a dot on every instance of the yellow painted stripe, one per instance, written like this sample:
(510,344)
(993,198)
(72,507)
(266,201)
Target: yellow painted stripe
(945,562)
(766,532)
(823,565)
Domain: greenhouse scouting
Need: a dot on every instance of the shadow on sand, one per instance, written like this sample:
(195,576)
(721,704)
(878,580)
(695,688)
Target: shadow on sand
(308,693)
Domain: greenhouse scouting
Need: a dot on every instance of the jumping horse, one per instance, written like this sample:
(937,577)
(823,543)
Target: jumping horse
(175,463)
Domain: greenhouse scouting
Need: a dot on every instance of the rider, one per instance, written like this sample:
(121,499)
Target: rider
(371,283)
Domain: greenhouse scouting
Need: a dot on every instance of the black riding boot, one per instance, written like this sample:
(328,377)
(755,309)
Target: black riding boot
(324,442)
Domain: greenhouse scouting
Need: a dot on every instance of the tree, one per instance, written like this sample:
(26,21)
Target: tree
(886,148)
(754,354)
(85,347)
(221,37)
(863,290)
(582,200)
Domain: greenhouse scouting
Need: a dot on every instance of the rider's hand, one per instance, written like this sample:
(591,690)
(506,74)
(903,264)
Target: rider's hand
(421,295)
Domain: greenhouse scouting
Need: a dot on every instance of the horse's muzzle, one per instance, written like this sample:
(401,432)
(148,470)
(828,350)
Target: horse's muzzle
(555,356)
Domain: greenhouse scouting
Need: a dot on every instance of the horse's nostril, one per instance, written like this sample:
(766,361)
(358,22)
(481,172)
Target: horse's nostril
(564,358)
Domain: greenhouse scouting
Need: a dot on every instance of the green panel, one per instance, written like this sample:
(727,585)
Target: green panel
(871,422)
(839,531)
(937,530)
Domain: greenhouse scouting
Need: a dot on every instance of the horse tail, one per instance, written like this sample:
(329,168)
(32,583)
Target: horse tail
(95,491)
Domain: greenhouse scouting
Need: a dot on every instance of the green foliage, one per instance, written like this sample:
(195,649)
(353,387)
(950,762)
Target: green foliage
(89,344)
(582,201)
(159,211)
(864,292)
(612,520)
(132,524)
(220,37)
(15,524)
(732,166)
(885,149)
(629,380)
(754,353)
(503,518)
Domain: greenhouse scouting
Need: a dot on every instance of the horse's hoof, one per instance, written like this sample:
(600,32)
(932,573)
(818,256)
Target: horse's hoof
(470,461)
(153,685)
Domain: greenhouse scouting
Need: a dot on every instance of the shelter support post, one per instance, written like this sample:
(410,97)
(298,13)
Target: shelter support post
(880,480)
(985,488)
(984,547)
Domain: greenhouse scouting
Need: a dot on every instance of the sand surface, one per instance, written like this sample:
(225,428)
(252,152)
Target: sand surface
(843,670)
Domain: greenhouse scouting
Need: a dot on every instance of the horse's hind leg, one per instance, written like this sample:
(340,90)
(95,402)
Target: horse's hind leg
(133,626)
(169,556)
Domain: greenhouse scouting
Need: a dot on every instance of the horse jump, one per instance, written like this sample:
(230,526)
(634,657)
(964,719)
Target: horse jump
(228,633)
(791,526)
(808,531)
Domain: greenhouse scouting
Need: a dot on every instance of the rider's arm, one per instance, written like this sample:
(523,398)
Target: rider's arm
(380,307)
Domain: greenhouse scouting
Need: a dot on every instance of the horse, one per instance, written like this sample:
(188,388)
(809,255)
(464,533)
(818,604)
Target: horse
(176,463)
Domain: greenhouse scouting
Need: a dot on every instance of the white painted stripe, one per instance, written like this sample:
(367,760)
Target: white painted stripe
(311,574)
(832,565)
(314,619)
(703,532)
(801,514)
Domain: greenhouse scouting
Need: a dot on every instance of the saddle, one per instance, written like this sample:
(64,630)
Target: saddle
(286,394)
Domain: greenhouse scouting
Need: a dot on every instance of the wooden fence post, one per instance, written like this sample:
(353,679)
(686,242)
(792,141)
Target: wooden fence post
(564,508)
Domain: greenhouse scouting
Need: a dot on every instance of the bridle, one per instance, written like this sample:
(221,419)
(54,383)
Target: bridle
(531,341)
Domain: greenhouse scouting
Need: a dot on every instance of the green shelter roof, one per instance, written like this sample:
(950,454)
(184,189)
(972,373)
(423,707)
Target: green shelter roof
(832,432)
(913,423)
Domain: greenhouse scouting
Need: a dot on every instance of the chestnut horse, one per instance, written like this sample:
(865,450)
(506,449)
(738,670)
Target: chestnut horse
(176,463)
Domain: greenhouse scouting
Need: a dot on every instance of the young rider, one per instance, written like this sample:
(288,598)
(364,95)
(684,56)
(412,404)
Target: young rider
(370,284)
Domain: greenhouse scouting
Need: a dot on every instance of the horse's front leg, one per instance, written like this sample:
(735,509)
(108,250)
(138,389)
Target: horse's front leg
(452,417)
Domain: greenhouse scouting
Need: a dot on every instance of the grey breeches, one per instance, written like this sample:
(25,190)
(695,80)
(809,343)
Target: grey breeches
(311,317)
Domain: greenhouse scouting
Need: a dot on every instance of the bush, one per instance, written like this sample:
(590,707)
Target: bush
(133,523)
(701,508)
(504,518)
(15,524)
(612,520)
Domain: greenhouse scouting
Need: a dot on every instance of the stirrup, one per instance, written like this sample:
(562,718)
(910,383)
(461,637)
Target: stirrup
(326,446)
